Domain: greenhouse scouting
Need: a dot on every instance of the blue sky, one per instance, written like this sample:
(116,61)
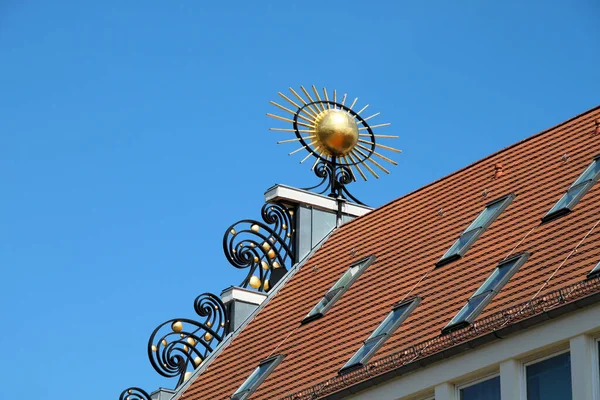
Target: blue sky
(133,133)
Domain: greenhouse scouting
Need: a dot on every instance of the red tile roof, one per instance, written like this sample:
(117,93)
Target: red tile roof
(409,236)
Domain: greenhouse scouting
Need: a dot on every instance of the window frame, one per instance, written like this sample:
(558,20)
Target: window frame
(380,339)
(243,395)
(519,260)
(524,366)
(553,214)
(475,382)
(448,257)
(313,315)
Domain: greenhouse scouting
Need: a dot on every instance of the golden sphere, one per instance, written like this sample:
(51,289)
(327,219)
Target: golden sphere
(154,348)
(271,253)
(232,231)
(255,282)
(266,286)
(256,259)
(276,264)
(264,265)
(209,324)
(337,131)
(197,361)
(255,228)
(191,341)
(187,376)
(164,342)
(266,246)
(185,348)
(177,326)
(208,337)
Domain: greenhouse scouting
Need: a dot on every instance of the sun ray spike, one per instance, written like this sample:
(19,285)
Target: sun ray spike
(311,100)
(289,120)
(334,96)
(349,167)
(362,109)
(344,99)
(299,130)
(381,146)
(308,109)
(371,116)
(318,97)
(309,153)
(291,112)
(295,139)
(302,148)
(295,105)
(353,103)
(378,155)
(356,164)
(379,136)
(373,161)
(327,98)
(370,169)
(364,128)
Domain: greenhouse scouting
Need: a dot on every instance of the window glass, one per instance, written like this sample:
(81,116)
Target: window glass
(338,289)
(496,277)
(256,378)
(323,222)
(388,326)
(486,215)
(486,390)
(363,352)
(390,320)
(590,173)
(462,241)
(469,308)
(569,197)
(577,190)
(550,379)
(475,229)
(596,270)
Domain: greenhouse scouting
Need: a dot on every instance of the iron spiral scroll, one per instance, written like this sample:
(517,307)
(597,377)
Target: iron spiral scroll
(134,393)
(178,346)
(334,178)
(265,248)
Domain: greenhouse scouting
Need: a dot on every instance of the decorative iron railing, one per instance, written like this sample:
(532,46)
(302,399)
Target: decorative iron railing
(134,393)
(265,248)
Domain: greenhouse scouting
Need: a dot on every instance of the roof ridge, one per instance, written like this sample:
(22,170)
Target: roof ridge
(385,205)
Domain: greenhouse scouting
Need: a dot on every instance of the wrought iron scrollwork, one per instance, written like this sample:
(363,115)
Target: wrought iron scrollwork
(334,178)
(178,346)
(134,393)
(265,248)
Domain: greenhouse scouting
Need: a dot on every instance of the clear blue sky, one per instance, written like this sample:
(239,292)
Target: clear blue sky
(132,133)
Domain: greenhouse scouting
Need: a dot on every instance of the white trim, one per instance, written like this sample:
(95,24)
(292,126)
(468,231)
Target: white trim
(444,391)
(242,294)
(582,367)
(525,345)
(511,382)
(474,382)
(289,194)
(596,369)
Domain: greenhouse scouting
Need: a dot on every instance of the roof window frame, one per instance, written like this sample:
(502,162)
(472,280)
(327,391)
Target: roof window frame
(555,213)
(245,394)
(595,272)
(488,295)
(380,339)
(476,231)
(334,294)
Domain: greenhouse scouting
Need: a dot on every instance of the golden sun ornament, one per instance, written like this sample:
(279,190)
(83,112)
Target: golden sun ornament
(333,132)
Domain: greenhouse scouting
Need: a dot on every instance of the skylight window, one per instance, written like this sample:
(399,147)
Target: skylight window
(389,325)
(486,292)
(577,190)
(338,289)
(257,377)
(473,231)
(595,272)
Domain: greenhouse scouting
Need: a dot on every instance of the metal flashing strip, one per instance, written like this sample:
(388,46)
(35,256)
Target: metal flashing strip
(272,293)
(488,329)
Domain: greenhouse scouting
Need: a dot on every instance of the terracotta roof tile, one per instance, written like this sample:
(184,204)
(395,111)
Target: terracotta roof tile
(408,236)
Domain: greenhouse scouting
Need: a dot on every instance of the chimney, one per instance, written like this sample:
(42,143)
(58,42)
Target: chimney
(162,394)
(240,303)
(316,214)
